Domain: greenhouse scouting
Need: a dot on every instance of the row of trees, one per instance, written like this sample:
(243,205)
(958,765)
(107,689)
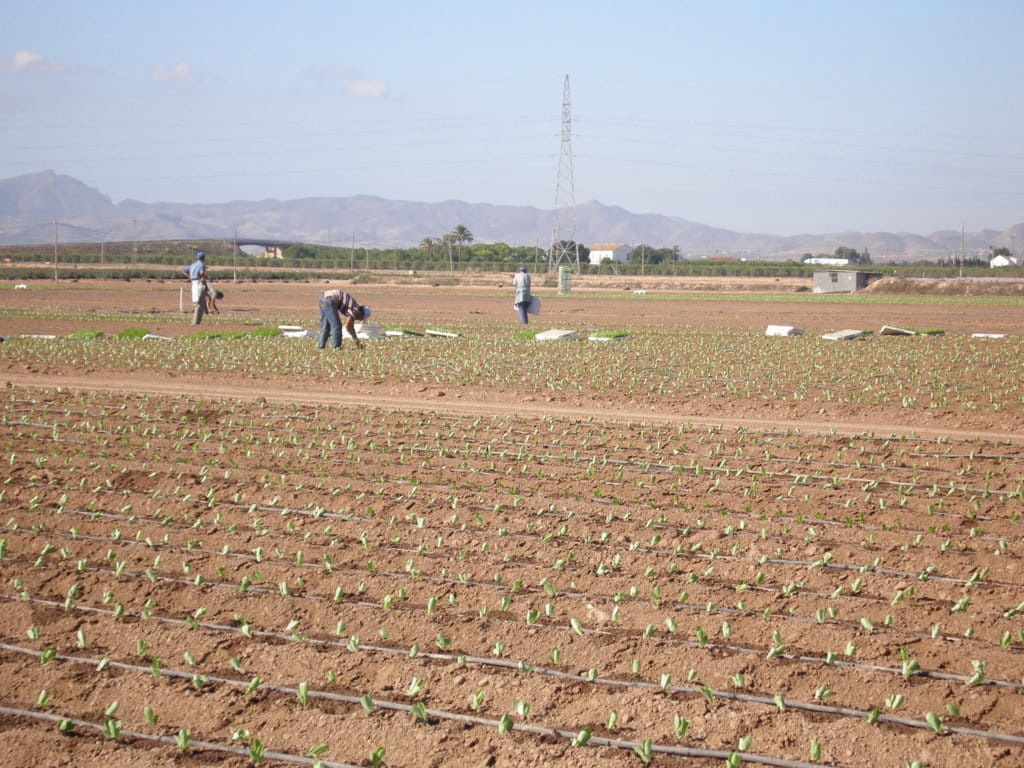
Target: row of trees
(453,251)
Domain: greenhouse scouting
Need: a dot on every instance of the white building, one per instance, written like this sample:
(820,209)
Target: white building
(609,252)
(1004,261)
(826,261)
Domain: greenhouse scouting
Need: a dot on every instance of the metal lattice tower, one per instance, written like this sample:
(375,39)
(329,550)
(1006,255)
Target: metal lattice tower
(564,248)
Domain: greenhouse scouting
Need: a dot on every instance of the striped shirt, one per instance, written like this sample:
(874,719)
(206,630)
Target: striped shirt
(343,302)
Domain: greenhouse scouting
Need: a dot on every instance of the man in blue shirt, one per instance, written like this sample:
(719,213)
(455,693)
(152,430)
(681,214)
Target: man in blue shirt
(196,272)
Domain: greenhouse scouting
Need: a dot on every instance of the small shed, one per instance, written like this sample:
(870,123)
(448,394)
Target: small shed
(842,280)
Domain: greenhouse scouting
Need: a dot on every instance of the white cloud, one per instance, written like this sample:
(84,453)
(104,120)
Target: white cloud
(32,63)
(26,61)
(367,89)
(180,71)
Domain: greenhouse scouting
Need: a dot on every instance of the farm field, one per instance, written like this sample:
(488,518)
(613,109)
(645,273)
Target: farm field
(698,546)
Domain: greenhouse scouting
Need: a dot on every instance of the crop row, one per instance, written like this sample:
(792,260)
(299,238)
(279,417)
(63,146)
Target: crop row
(647,586)
(924,374)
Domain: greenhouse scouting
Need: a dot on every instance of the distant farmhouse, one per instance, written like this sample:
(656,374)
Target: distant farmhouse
(609,252)
(1004,261)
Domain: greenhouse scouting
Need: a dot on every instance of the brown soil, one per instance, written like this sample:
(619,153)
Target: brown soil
(775,575)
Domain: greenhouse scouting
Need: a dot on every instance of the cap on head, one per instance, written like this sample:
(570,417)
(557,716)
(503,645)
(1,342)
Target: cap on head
(201,256)
(366,312)
(522,269)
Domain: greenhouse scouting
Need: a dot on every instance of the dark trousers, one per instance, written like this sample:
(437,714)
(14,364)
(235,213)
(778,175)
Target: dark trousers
(524,318)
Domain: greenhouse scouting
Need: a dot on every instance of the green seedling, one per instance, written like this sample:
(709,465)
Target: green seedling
(419,711)
(478,699)
(644,751)
(581,738)
(256,749)
(182,739)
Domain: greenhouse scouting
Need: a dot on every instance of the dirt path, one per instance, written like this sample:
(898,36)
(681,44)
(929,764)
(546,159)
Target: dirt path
(142,383)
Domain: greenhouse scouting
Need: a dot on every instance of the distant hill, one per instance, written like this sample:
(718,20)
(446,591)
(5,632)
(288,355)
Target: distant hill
(29,205)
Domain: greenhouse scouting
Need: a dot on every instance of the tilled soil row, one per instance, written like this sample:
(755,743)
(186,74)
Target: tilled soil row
(705,585)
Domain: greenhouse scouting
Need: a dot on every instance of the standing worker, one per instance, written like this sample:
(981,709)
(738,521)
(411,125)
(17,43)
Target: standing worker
(334,304)
(196,272)
(521,281)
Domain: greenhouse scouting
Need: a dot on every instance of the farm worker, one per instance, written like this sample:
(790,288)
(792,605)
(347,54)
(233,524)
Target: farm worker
(196,272)
(334,304)
(212,294)
(521,281)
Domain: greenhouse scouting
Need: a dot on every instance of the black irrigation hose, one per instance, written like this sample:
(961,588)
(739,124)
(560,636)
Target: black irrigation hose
(282,511)
(485,508)
(488,585)
(696,469)
(548,672)
(693,466)
(527,536)
(209,746)
(739,649)
(439,714)
(826,482)
(691,752)
(578,595)
(699,555)
(574,595)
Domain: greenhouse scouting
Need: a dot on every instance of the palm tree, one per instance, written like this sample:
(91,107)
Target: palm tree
(461,235)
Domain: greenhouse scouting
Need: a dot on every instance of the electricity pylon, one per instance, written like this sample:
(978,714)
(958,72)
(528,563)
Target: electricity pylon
(564,248)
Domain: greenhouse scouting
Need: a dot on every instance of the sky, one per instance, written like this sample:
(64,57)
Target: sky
(767,116)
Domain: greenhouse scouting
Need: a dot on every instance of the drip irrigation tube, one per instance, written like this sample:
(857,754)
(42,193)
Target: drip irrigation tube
(438,714)
(209,746)
(544,671)
(318,514)
(584,595)
(694,467)
(702,556)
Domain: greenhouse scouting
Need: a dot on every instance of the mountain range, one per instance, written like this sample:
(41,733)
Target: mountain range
(30,204)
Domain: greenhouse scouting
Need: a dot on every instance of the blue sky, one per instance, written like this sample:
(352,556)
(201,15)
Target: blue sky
(781,117)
